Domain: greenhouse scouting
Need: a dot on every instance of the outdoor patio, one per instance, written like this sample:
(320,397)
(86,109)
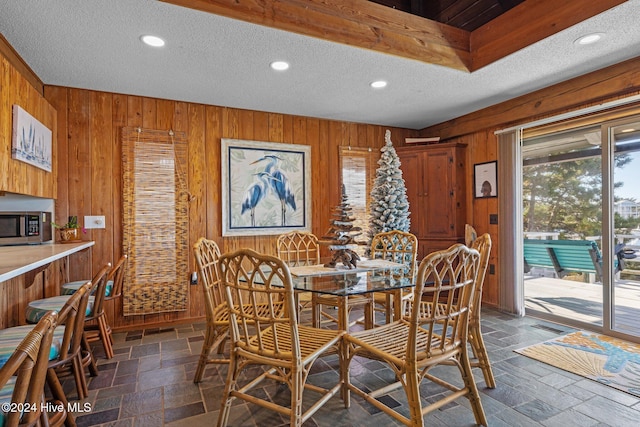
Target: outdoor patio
(582,301)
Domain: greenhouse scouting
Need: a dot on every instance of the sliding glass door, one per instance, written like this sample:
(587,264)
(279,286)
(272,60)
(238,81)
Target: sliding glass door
(625,293)
(562,205)
(581,223)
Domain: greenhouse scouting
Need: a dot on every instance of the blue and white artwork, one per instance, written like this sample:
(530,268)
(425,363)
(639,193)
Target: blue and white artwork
(31,140)
(266,187)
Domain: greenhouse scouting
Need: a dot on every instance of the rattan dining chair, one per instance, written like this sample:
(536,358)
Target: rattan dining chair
(73,357)
(413,345)
(401,247)
(480,359)
(207,253)
(271,337)
(299,248)
(22,376)
(93,306)
(97,327)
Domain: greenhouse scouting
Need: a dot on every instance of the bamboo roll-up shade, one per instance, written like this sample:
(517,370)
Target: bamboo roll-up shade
(358,174)
(155,221)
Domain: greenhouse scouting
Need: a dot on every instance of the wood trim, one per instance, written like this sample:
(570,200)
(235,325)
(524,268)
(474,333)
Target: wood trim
(591,119)
(528,23)
(617,81)
(358,23)
(368,25)
(18,63)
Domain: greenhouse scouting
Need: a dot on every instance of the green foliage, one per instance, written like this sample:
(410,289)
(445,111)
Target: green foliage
(566,196)
(71,223)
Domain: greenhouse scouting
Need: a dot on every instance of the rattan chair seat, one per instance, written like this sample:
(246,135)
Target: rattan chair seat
(278,343)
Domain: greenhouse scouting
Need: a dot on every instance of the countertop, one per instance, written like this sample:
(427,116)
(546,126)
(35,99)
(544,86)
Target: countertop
(17,260)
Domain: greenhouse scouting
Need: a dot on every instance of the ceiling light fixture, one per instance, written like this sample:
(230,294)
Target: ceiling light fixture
(152,41)
(279,65)
(378,84)
(589,39)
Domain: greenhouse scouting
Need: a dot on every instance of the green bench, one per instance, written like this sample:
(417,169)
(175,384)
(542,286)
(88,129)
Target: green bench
(565,256)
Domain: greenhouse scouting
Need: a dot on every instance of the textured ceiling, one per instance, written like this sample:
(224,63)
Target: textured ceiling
(215,60)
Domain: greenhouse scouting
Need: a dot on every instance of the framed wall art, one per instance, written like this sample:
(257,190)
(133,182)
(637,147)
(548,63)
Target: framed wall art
(266,187)
(31,140)
(485,180)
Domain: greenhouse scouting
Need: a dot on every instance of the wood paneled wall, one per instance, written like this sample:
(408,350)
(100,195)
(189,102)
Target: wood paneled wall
(477,131)
(18,176)
(90,171)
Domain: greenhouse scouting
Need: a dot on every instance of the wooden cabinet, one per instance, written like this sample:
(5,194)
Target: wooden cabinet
(434,176)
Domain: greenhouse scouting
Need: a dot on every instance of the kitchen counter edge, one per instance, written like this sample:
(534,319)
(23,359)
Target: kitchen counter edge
(17,260)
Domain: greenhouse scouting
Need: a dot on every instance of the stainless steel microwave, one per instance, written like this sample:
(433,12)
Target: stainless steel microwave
(25,228)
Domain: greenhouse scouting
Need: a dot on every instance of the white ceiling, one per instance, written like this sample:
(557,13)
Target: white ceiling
(209,59)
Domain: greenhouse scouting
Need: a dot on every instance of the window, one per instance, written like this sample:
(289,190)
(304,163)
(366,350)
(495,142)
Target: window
(358,167)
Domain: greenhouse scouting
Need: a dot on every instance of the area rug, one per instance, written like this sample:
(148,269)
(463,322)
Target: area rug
(604,359)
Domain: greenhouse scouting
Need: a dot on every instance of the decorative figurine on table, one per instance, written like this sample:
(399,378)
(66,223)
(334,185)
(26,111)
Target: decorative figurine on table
(341,236)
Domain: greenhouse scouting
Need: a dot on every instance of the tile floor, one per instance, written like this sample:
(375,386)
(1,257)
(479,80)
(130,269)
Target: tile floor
(149,383)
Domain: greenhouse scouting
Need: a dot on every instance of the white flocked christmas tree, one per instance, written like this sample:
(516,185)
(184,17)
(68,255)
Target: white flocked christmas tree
(389,205)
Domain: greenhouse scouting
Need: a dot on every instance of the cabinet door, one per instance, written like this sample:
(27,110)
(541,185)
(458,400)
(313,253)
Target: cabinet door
(438,200)
(411,165)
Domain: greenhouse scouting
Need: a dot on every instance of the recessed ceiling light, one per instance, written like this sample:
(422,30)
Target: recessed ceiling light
(279,65)
(589,38)
(627,130)
(152,41)
(378,84)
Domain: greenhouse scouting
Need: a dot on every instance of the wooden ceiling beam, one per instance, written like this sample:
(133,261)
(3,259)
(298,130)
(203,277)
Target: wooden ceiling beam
(368,25)
(357,23)
(528,23)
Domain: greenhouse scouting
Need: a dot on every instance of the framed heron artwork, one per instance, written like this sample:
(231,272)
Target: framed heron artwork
(266,187)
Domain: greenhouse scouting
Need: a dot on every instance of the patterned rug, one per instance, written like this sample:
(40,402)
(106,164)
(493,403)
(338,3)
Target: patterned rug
(607,360)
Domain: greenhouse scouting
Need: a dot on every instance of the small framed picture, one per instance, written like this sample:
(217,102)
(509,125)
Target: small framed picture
(485,180)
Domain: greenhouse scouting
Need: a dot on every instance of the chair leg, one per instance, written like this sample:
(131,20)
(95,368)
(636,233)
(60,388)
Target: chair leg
(55,386)
(344,373)
(480,353)
(93,367)
(78,374)
(212,338)
(296,398)
(58,394)
(105,336)
(412,389)
(469,383)
(232,378)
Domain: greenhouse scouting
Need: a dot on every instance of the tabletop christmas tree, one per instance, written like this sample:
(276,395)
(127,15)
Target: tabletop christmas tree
(341,235)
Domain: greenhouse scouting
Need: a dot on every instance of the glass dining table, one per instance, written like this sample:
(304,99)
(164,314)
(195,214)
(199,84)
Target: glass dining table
(369,276)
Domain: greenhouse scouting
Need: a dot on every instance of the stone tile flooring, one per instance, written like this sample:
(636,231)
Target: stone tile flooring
(149,383)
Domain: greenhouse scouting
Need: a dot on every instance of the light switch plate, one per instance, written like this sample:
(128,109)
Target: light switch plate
(94,222)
